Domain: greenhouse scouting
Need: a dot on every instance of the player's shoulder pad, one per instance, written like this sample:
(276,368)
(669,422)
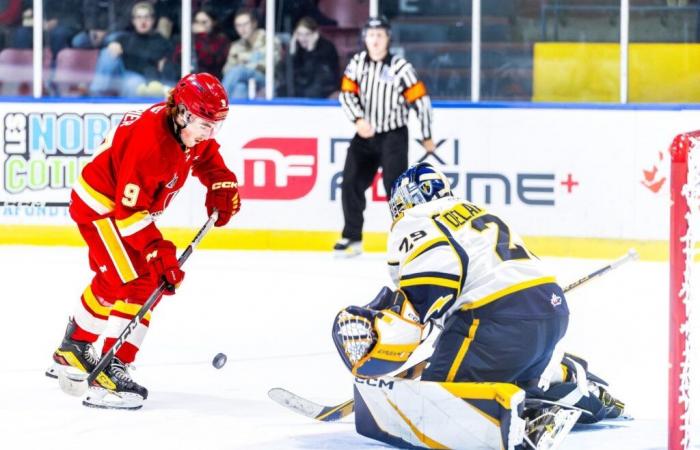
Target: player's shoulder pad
(409,232)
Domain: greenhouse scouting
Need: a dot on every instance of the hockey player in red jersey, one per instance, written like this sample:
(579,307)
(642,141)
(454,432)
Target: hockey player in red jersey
(134,175)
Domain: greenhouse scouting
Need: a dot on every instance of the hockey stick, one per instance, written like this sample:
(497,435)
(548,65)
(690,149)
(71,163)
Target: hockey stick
(79,387)
(631,255)
(336,412)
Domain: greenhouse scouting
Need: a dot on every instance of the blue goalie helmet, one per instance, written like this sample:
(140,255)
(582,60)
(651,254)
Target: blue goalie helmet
(421,183)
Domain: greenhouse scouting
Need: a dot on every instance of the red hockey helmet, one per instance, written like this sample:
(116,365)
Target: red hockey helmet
(203,95)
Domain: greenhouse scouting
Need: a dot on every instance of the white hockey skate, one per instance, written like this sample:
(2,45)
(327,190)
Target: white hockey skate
(115,389)
(547,427)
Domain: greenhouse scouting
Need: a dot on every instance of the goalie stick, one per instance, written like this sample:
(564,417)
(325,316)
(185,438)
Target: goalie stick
(79,386)
(332,413)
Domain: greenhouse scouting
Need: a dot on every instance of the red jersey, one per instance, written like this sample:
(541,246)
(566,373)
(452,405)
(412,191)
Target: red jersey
(137,171)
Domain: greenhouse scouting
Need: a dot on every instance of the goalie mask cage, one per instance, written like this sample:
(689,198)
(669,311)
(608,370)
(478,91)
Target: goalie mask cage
(683,334)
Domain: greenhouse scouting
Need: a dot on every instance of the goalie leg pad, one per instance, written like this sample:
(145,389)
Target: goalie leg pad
(419,414)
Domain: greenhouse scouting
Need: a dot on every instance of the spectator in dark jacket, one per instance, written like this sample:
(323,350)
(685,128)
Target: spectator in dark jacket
(315,70)
(210,44)
(134,60)
(93,36)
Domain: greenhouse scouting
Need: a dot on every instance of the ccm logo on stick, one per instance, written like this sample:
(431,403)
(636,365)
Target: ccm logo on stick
(279,168)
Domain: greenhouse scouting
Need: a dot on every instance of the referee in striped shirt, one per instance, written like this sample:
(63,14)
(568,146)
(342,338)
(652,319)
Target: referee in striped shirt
(377,91)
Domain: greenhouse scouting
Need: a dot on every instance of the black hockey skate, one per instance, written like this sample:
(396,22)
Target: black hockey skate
(346,248)
(115,389)
(75,357)
(614,408)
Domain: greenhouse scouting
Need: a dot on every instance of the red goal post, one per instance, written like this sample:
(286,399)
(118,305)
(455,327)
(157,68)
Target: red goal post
(685,196)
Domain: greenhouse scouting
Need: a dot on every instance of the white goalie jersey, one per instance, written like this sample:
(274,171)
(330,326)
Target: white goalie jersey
(450,254)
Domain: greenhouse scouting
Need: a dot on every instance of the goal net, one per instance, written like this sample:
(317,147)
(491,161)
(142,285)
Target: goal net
(683,332)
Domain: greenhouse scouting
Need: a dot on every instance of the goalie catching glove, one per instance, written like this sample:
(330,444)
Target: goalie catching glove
(223,196)
(162,263)
(378,338)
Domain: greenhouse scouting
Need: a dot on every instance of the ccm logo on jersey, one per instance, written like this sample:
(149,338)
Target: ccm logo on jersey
(278,168)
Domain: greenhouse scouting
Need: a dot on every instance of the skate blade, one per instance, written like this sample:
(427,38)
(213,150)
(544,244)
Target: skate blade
(346,254)
(564,421)
(52,372)
(72,372)
(105,399)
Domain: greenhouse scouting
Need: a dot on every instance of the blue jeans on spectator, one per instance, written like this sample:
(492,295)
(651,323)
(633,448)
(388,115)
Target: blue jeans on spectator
(58,38)
(111,76)
(236,81)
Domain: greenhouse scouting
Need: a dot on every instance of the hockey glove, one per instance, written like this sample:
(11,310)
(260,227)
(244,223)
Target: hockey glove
(223,196)
(373,343)
(162,263)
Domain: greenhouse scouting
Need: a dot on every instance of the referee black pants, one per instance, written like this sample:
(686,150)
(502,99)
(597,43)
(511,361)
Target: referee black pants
(388,150)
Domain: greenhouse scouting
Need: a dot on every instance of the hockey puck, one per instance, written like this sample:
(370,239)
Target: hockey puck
(219,360)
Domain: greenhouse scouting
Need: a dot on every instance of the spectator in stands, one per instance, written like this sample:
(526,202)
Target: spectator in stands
(10,12)
(210,46)
(135,60)
(168,17)
(291,11)
(246,57)
(315,72)
(94,34)
(62,20)
(21,36)
(224,11)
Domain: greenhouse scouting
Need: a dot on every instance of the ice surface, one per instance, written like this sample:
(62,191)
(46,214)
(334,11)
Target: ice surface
(271,313)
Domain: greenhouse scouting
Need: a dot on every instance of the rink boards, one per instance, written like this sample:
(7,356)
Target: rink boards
(587,181)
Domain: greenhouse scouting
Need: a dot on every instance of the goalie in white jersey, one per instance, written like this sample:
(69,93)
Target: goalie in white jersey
(457,264)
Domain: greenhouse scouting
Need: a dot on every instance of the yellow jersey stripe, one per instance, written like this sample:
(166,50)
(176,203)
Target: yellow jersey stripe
(99,203)
(94,304)
(115,249)
(130,309)
(462,351)
(422,248)
(444,282)
(134,223)
(509,290)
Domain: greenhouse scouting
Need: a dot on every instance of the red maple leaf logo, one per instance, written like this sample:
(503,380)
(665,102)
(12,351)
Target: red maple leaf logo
(650,180)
